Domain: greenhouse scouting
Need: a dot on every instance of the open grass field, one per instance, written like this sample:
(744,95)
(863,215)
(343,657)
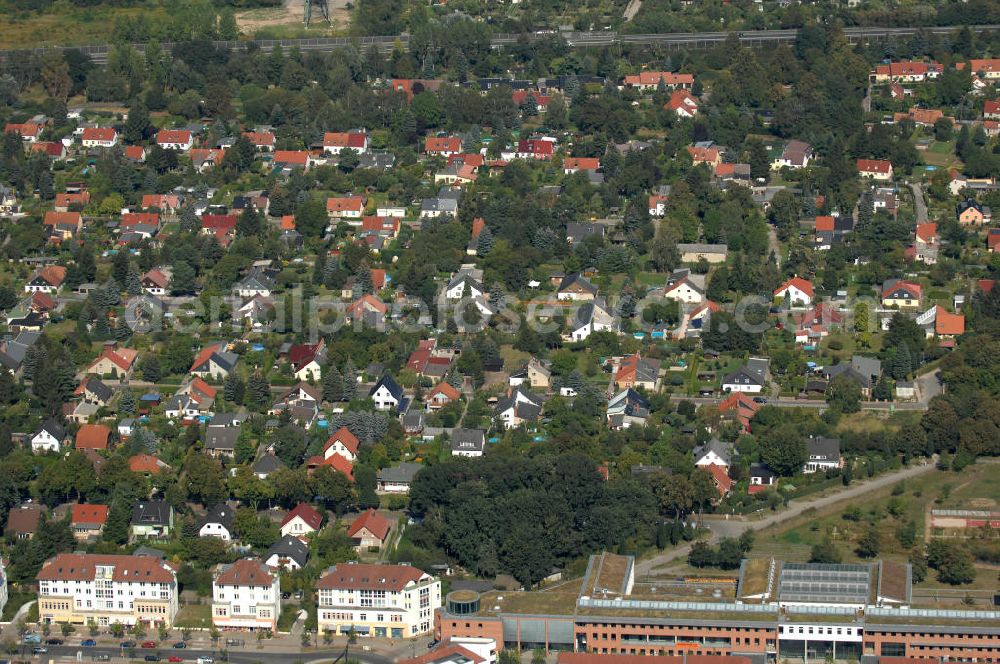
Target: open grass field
(64,25)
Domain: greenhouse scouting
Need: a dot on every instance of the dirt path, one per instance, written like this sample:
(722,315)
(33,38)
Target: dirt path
(291,13)
(734,527)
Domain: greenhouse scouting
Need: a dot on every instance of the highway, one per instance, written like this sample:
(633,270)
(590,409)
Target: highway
(752,38)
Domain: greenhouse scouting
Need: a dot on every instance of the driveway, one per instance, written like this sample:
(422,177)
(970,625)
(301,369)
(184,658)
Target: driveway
(735,527)
(918,202)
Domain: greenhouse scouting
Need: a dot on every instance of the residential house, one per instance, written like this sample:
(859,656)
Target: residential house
(50,437)
(335,141)
(175,139)
(912,71)
(410,596)
(441,395)
(301,521)
(370,531)
(27,131)
(589,318)
(146,464)
(925,243)
(114,362)
(432,208)
(830,230)
(288,553)
(397,479)
(263,141)
(93,437)
(988,68)
(816,323)
(761,477)
(307,360)
(627,408)
(46,280)
(152,519)
(518,407)
(798,291)
(876,169)
(739,408)
(714,452)
(345,207)
(291,160)
(650,80)
(796,154)
(939,322)
(901,293)
(468,442)
(266,465)
(93,391)
(705,154)
(343,443)
(87,521)
(99,137)
(535,373)
(750,378)
(922,117)
(535,148)
(865,371)
(682,103)
(214,361)
(156,282)
(637,371)
(464,285)
(8,201)
(246,596)
(23,521)
(822,454)
(367,309)
(218,523)
(443,146)
(720,478)
(573,164)
(577,232)
(991,109)
(696,252)
(576,287)
(684,286)
(388,395)
(972,213)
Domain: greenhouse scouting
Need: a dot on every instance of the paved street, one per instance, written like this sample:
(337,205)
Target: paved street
(918,202)
(735,527)
(248,654)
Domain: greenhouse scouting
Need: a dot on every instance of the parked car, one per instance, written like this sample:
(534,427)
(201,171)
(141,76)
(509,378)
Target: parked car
(32,638)
(39,650)
(127,644)
(102,658)
(760,399)
(53,642)
(180,644)
(206,660)
(152,658)
(149,644)
(175,659)
(88,643)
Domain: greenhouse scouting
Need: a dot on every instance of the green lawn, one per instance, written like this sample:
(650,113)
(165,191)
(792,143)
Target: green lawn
(194,615)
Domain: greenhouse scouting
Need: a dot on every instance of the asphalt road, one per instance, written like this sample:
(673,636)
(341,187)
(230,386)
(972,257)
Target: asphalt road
(244,655)
(918,202)
(735,527)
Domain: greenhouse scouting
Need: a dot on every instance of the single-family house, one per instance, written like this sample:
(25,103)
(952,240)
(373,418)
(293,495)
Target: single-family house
(441,395)
(576,287)
(99,137)
(468,442)
(714,452)
(46,280)
(876,169)
(218,522)
(301,521)
(175,139)
(397,479)
(796,154)
(798,291)
(972,213)
(627,408)
(87,521)
(151,519)
(822,454)
(214,361)
(288,553)
(901,293)
(370,531)
(50,437)
(343,443)
(637,371)
(591,317)
(750,378)
(335,141)
(519,406)
(388,395)
(113,361)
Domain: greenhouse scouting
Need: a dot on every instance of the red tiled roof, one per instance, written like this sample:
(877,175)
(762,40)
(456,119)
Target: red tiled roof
(137,218)
(367,301)
(53,275)
(83,567)
(339,463)
(948,324)
(926,232)
(343,436)
(245,573)
(218,222)
(703,155)
(345,203)
(880,166)
(535,146)
(444,388)
(53,218)
(201,390)
(443,144)
(582,163)
(721,477)
(165,136)
(991,107)
(374,522)
(23,129)
(986,66)
(99,134)
(65,199)
(135,152)
(520,95)
(205,353)
(445,653)
(299,355)
(345,139)
(362,576)
(89,514)
(260,138)
(144,463)
(654,77)
(825,223)
(307,513)
(161,201)
(157,277)
(300,157)
(93,437)
(803,285)
(474,160)
(24,519)
(123,358)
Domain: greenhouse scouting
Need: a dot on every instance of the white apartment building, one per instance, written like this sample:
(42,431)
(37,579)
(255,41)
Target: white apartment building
(245,595)
(385,601)
(106,589)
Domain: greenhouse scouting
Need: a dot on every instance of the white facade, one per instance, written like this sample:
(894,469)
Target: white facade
(795,295)
(683,291)
(380,601)
(43,441)
(312,370)
(384,400)
(215,529)
(244,601)
(297,527)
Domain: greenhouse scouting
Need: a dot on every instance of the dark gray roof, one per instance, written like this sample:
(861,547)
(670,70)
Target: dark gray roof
(577,279)
(221,438)
(289,547)
(723,450)
(403,473)
(99,389)
(267,464)
(151,513)
(54,428)
(468,440)
(823,449)
(390,384)
(222,514)
(149,552)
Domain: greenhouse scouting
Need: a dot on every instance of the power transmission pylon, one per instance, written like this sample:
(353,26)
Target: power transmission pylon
(321,5)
